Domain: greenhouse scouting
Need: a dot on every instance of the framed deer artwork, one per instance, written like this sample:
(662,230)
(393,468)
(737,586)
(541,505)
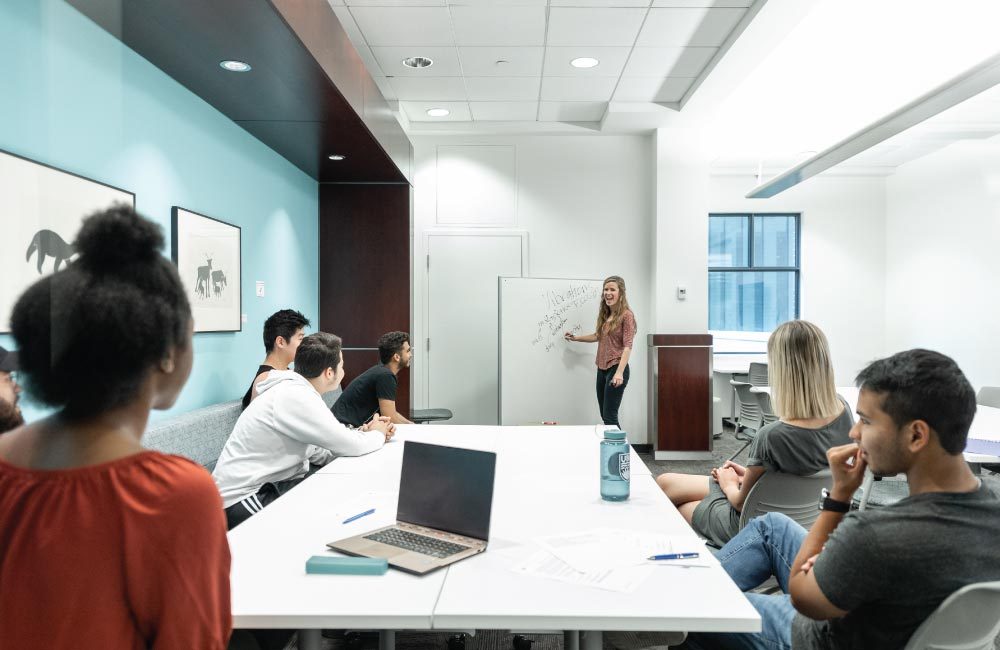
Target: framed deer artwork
(40,214)
(207,254)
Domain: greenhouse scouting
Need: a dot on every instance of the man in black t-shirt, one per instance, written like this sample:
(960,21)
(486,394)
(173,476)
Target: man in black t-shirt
(374,390)
(869,579)
(283,331)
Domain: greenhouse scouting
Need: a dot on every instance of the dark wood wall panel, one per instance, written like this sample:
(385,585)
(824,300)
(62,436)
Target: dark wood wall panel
(364,270)
(683,391)
(357,361)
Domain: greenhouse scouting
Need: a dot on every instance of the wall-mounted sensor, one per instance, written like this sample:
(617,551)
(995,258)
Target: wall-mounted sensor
(682,293)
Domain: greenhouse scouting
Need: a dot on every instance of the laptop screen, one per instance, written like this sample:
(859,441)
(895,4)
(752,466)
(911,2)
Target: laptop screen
(447,488)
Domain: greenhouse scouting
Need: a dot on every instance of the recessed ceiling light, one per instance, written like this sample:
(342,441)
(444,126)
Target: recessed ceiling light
(337,156)
(438,112)
(584,62)
(418,62)
(235,66)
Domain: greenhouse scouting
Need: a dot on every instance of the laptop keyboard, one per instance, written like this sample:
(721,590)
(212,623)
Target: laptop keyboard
(417,543)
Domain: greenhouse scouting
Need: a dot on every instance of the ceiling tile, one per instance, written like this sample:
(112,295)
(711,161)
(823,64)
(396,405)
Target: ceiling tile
(489,89)
(612,60)
(511,26)
(571,111)
(709,27)
(390,59)
(577,89)
(395,26)
(599,3)
(417,111)
(429,88)
(357,39)
(652,89)
(396,3)
(700,3)
(494,3)
(599,26)
(504,111)
(520,61)
(669,61)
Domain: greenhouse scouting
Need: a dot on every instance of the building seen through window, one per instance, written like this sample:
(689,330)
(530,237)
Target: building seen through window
(753,271)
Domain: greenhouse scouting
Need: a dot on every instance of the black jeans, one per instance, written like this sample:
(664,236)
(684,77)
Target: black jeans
(609,397)
(239,512)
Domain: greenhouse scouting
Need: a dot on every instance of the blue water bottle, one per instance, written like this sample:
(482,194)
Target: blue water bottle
(615,457)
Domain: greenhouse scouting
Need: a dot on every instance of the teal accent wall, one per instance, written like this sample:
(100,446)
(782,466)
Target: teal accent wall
(74,97)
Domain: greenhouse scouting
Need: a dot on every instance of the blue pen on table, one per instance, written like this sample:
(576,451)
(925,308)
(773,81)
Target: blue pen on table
(673,556)
(359,516)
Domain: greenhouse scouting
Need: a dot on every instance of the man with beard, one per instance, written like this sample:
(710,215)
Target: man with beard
(10,412)
(374,390)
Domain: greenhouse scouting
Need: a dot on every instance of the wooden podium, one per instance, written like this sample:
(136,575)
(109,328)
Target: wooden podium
(680,395)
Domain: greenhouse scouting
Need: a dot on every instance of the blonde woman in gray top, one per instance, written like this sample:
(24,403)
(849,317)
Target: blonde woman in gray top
(813,418)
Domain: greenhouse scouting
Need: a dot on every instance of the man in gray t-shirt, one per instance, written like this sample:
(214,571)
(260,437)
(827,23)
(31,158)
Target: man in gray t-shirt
(868,580)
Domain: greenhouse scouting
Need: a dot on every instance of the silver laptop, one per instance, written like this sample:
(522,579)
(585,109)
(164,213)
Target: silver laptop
(443,513)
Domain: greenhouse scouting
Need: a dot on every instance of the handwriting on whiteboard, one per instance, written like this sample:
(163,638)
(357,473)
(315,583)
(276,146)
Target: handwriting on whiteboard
(560,306)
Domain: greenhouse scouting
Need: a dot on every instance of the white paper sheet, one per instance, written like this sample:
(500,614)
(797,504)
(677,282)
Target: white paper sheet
(604,549)
(545,565)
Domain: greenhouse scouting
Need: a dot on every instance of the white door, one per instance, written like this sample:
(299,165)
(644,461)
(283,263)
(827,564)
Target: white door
(462,321)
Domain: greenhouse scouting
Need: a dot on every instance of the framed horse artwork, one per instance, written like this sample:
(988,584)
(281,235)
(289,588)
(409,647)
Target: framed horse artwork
(207,254)
(41,212)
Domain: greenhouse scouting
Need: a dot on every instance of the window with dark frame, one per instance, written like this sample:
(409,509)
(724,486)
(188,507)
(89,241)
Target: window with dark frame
(753,270)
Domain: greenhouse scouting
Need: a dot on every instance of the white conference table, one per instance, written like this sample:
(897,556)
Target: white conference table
(546,483)
(985,426)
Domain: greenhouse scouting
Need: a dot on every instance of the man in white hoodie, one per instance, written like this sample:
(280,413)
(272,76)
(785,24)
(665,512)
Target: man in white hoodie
(287,428)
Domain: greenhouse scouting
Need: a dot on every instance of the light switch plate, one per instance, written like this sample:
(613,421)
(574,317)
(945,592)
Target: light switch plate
(260,289)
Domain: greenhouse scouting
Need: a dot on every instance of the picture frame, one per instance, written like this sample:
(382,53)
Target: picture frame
(40,216)
(207,252)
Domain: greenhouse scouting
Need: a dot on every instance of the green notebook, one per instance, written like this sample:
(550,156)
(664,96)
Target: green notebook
(355,566)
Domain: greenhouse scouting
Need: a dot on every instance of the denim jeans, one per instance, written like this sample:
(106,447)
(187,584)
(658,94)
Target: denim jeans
(766,547)
(609,398)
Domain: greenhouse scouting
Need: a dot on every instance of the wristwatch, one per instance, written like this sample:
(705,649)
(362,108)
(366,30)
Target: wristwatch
(828,503)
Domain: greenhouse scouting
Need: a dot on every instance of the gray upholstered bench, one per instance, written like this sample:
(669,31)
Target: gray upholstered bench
(199,434)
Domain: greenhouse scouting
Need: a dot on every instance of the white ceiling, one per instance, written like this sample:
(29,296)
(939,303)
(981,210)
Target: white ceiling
(508,60)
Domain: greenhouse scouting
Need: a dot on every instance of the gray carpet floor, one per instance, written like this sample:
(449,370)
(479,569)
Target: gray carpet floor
(723,448)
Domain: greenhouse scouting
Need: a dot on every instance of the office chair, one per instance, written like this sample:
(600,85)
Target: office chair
(748,418)
(758,374)
(767,413)
(795,496)
(989,396)
(969,619)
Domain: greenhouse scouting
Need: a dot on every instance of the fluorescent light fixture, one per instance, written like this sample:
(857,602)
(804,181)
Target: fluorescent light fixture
(438,112)
(968,84)
(418,62)
(337,156)
(235,66)
(584,62)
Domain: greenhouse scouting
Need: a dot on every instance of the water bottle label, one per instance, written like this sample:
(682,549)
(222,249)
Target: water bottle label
(618,465)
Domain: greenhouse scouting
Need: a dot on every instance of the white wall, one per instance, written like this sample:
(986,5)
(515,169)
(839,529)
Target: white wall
(587,205)
(843,266)
(943,234)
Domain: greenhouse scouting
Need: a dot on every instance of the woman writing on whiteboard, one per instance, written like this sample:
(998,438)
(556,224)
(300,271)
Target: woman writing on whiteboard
(614,337)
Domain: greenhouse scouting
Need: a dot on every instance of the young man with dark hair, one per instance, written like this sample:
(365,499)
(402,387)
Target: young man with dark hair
(283,331)
(869,579)
(287,428)
(10,392)
(374,390)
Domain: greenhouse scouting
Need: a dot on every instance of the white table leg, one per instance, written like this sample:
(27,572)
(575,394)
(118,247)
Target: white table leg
(310,639)
(592,640)
(387,640)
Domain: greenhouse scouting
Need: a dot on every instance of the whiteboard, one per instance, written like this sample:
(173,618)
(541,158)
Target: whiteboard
(544,378)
